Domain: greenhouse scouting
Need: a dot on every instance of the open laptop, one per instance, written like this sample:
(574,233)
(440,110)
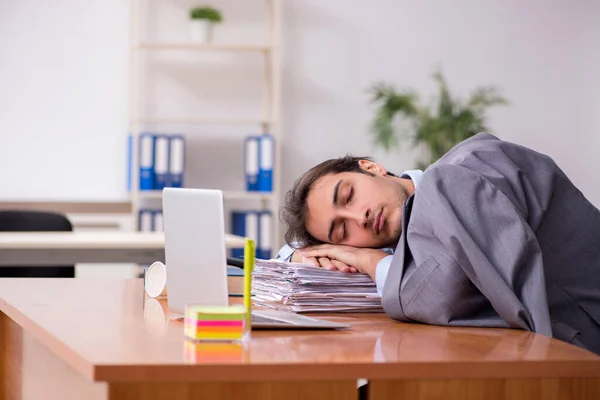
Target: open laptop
(195,256)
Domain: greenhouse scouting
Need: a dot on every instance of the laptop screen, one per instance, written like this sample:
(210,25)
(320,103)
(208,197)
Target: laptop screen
(195,253)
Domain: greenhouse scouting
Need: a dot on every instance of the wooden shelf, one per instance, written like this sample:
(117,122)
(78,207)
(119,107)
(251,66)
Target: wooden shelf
(234,48)
(227,194)
(264,49)
(242,195)
(203,121)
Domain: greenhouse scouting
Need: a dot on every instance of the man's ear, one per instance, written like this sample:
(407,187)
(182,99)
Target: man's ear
(372,167)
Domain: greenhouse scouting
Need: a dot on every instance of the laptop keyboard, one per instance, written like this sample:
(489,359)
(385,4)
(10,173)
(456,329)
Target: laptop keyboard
(260,319)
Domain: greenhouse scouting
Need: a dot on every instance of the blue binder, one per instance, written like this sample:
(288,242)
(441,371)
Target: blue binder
(161,161)
(157,221)
(265,156)
(176,160)
(251,157)
(265,239)
(146,160)
(146,220)
(244,223)
(129,160)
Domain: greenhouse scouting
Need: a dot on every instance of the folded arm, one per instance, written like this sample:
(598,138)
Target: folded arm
(294,254)
(373,262)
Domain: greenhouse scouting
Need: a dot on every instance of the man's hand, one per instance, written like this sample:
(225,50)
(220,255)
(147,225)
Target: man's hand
(363,259)
(323,262)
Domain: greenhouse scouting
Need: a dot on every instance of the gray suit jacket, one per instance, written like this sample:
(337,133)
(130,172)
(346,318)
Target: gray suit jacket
(497,236)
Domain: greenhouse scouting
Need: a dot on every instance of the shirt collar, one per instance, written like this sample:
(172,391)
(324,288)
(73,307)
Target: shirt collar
(414,175)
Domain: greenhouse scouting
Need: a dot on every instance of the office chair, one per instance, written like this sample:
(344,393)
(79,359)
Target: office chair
(235,262)
(35,221)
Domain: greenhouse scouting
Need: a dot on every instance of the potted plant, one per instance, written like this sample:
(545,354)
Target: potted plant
(202,21)
(399,115)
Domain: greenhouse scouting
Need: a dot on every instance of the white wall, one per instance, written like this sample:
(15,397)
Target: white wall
(63,98)
(543,54)
(63,82)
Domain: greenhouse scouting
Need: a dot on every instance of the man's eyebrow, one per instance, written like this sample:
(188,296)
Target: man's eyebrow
(335,200)
(335,192)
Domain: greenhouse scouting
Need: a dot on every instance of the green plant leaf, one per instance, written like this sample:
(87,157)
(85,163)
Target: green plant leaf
(391,104)
(208,13)
(487,96)
(400,117)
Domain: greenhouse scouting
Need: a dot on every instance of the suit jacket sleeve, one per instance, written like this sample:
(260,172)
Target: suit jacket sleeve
(488,266)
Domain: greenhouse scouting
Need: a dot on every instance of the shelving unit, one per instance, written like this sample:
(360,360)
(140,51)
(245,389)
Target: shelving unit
(228,195)
(205,47)
(268,122)
(200,121)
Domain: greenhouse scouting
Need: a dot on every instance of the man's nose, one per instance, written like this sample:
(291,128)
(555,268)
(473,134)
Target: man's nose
(362,217)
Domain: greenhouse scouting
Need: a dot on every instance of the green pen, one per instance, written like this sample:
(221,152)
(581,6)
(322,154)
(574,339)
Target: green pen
(249,250)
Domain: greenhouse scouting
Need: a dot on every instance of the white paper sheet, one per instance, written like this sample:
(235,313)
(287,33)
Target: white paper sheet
(305,288)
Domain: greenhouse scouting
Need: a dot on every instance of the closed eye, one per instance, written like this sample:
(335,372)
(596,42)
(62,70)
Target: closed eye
(340,232)
(350,196)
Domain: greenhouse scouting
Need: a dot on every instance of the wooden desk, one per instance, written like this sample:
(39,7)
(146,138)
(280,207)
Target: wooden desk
(64,248)
(89,339)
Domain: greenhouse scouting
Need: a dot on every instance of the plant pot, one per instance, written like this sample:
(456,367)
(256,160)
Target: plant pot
(201,30)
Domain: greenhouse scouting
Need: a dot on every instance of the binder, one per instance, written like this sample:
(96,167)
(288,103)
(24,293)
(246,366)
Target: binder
(145,222)
(244,223)
(251,162)
(176,160)
(161,161)
(129,161)
(158,225)
(265,172)
(265,240)
(146,160)
(238,227)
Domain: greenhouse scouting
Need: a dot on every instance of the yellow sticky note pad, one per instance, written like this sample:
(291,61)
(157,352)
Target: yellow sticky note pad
(205,323)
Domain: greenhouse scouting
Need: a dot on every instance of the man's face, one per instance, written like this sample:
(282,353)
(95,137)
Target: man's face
(357,209)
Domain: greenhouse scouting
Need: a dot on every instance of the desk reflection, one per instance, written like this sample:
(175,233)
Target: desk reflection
(156,316)
(372,338)
(215,352)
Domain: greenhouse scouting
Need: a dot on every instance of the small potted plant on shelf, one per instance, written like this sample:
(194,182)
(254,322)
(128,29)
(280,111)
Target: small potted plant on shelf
(202,21)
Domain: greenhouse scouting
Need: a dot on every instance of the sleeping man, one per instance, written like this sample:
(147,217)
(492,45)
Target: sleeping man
(492,235)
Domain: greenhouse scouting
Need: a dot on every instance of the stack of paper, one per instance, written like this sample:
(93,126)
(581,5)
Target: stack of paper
(306,288)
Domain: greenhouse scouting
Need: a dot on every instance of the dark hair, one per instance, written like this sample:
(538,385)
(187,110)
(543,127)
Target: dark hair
(294,211)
